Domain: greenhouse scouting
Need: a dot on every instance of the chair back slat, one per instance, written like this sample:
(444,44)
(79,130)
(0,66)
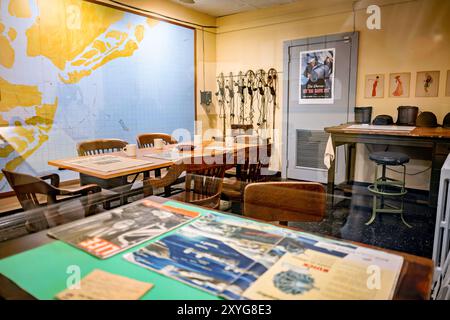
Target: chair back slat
(147,140)
(100,146)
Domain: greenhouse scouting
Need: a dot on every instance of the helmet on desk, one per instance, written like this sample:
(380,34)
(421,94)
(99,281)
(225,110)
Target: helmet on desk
(383,120)
(427,119)
(446,123)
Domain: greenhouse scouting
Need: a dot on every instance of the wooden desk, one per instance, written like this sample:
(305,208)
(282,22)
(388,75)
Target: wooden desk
(414,282)
(435,140)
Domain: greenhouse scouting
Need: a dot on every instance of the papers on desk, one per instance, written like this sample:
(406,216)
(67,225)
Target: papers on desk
(165,155)
(109,233)
(108,163)
(241,259)
(101,285)
(219,148)
(378,127)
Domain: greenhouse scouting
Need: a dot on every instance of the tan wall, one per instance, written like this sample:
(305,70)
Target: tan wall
(415,36)
(177,11)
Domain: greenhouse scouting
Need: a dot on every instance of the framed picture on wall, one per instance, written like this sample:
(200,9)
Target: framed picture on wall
(427,84)
(399,84)
(317,76)
(447,87)
(374,86)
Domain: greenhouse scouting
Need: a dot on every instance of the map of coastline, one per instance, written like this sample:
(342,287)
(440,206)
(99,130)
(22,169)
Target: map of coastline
(49,52)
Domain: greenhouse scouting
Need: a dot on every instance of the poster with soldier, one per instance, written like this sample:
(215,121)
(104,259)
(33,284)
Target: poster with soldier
(317,76)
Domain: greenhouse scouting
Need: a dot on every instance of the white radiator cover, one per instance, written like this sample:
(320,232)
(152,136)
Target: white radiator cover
(441,246)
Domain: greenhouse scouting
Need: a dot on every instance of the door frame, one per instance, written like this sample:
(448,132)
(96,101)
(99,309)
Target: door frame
(354,38)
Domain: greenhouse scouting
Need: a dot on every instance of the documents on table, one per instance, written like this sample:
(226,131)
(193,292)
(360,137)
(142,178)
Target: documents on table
(101,285)
(237,258)
(165,155)
(315,275)
(107,163)
(106,234)
(378,127)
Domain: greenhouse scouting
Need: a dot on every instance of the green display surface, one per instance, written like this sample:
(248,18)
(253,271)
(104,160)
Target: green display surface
(43,271)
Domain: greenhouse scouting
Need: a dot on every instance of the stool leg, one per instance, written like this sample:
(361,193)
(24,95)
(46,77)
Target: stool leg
(403,198)
(374,211)
(374,204)
(383,187)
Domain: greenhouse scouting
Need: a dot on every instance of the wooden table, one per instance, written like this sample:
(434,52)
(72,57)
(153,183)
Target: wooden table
(435,140)
(414,283)
(112,179)
(145,154)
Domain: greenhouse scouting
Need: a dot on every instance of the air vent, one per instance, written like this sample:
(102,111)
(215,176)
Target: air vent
(311,148)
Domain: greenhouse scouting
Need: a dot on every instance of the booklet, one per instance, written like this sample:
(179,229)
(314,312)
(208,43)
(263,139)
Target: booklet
(109,233)
(102,285)
(242,259)
(314,275)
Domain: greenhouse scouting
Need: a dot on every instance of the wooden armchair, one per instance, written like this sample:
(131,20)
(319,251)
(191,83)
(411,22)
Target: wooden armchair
(28,188)
(147,140)
(203,184)
(285,201)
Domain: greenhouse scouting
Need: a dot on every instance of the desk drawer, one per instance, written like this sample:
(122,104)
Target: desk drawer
(443,148)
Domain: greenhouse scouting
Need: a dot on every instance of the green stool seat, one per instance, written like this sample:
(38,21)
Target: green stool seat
(386,187)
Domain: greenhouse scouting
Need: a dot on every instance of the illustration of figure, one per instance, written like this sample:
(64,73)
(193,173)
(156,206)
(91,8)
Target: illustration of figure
(316,72)
(374,86)
(398,92)
(427,82)
(329,61)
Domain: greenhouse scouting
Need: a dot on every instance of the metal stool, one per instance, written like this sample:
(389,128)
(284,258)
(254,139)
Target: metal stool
(379,188)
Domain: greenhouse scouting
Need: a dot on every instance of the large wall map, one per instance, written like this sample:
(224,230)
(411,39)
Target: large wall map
(71,70)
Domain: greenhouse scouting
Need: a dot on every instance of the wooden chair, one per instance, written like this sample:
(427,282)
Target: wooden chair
(28,188)
(102,146)
(147,140)
(285,201)
(203,184)
(99,146)
(250,171)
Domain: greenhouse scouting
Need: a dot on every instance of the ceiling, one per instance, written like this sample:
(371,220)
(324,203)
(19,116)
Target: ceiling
(219,8)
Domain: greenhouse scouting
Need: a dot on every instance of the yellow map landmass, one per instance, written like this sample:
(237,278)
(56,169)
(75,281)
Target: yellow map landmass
(67,32)
(19,8)
(117,44)
(76,36)
(33,131)
(7,54)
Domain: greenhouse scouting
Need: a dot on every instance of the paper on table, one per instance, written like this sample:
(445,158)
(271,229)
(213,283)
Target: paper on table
(108,163)
(379,127)
(101,285)
(314,275)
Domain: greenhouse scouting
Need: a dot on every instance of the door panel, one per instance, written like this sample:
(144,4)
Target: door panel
(305,136)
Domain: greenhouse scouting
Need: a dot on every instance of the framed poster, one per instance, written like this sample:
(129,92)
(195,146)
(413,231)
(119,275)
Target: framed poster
(447,87)
(374,86)
(317,76)
(427,84)
(399,84)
